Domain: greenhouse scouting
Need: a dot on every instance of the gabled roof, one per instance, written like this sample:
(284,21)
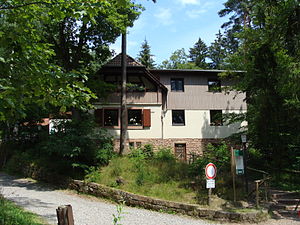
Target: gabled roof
(131,63)
(116,61)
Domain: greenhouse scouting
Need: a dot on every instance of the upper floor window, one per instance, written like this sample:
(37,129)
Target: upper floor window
(214,85)
(216,118)
(178,118)
(177,84)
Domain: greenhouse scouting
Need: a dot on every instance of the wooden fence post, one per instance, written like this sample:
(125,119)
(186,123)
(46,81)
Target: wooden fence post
(257,192)
(65,215)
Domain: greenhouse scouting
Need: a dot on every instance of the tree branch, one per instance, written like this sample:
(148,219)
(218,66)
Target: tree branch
(4,7)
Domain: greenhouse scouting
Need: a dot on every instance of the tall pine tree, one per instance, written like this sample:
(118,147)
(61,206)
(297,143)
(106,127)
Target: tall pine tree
(269,54)
(198,54)
(145,57)
(217,52)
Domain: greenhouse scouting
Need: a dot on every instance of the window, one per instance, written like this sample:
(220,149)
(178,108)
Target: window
(138,144)
(216,118)
(178,118)
(111,117)
(135,117)
(177,84)
(131,145)
(214,85)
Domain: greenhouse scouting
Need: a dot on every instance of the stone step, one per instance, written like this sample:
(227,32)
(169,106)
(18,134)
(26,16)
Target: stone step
(276,195)
(293,201)
(284,207)
(287,213)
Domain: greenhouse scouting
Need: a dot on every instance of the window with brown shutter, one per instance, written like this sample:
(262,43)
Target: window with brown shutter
(98,113)
(147,118)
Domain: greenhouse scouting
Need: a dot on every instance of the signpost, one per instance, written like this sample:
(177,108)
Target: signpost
(244,141)
(210,173)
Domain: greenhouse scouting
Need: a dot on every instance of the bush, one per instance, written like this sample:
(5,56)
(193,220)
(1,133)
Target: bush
(164,154)
(70,150)
(77,143)
(217,154)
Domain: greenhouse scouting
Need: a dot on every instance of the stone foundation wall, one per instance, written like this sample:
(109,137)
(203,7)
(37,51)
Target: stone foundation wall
(167,206)
(194,146)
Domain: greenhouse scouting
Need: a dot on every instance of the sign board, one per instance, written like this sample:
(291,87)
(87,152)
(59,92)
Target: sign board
(244,138)
(210,171)
(210,183)
(239,162)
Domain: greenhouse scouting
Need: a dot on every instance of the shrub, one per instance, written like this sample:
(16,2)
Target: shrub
(148,150)
(217,154)
(164,154)
(78,143)
(70,150)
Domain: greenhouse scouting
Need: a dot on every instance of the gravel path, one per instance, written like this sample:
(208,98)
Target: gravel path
(43,200)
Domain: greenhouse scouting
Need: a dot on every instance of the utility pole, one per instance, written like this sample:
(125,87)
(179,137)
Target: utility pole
(123,116)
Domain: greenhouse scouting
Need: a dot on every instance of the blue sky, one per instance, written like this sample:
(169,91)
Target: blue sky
(169,25)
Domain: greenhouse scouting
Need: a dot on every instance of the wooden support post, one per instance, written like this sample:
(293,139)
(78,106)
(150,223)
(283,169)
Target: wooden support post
(65,215)
(265,187)
(257,193)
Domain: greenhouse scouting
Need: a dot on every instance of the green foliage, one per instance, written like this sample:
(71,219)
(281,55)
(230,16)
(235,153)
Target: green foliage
(269,54)
(12,214)
(49,50)
(178,60)
(156,177)
(217,52)
(145,57)
(217,154)
(118,216)
(164,154)
(70,150)
(78,143)
(198,54)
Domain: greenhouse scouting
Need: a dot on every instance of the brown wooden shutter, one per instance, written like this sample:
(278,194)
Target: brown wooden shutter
(147,118)
(99,116)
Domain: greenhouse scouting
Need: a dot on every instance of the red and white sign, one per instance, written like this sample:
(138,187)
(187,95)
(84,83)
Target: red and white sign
(210,171)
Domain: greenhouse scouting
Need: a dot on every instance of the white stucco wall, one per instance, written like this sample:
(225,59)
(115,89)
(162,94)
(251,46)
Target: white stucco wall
(154,131)
(197,125)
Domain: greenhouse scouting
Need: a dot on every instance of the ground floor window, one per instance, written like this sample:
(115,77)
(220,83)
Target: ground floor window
(135,117)
(216,118)
(111,117)
(178,118)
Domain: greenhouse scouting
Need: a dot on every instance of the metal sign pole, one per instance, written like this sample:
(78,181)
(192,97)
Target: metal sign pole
(209,197)
(233,173)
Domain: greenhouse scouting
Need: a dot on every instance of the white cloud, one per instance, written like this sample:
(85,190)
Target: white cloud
(164,16)
(195,13)
(189,2)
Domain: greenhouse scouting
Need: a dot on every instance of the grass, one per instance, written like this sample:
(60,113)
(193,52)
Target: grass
(10,214)
(151,177)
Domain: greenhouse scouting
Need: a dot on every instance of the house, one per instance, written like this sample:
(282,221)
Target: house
(181,109)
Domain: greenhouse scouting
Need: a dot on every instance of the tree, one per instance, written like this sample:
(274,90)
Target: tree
(269,54)
(239,11)
(178,60)
(145,56)
(217,52)
(47,52)
(198,54)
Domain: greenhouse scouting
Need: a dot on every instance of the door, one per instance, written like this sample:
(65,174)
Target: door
(180,151)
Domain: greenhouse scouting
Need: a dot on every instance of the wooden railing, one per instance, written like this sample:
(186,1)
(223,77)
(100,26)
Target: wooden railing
(259,185)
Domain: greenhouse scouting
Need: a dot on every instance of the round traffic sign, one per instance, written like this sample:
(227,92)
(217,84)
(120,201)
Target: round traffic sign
(210,171)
